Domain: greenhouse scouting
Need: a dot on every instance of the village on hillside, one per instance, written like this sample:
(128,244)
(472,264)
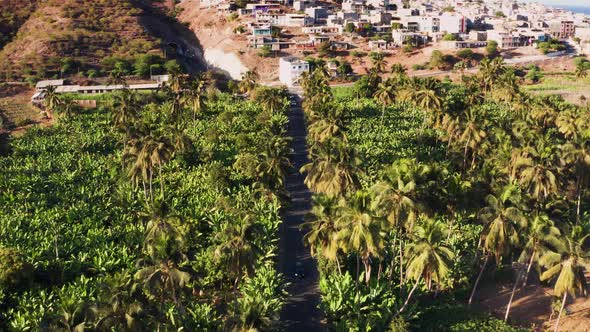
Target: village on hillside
(355,27)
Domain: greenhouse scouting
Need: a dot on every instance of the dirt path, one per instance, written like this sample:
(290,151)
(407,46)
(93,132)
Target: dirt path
(301,312)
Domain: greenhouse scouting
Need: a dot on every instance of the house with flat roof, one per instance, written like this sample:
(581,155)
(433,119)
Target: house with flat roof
(291,69)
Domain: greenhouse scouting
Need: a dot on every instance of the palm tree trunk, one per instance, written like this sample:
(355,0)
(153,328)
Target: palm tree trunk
(401,262)
(338,265)
(367,265)
(358,269)
(512,295)
(580,190)
(528,269)
(465,154)
(161,181)
(560,311)
(409,297)
(450,228)
(393,257)
(485,262)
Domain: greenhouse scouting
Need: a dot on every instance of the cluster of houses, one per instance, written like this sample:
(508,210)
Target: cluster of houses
(471,23)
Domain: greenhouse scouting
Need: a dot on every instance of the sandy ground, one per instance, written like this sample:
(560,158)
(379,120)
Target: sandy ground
(531,307)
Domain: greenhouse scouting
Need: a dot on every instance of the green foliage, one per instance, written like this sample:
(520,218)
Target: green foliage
(492,48)
(103,248)
(449,37)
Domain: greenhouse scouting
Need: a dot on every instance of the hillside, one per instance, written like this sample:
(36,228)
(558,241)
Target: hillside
(13,13)
(70,36)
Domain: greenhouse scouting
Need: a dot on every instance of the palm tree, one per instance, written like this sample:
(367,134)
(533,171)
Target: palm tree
(489,73)
(68,106)
(535,168)
(237,248)
(270,99)
(577,155)
(51,100)
(196,97)
(328,126)
(334,168)
(429,100)
(472,136)
(249,81)
(502,218)
(568,263)
(379,63)
(163,279)
(125,110)
(398,69)
(428,257)
(360,230)
(540,234)
(116,77)
(321,222)
(274,162)
(385,94)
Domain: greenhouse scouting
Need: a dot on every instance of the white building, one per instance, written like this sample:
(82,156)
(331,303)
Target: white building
(451,23)
(290,70)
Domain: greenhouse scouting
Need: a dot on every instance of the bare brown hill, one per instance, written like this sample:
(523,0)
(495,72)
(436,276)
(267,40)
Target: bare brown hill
(79,32)
(13,13)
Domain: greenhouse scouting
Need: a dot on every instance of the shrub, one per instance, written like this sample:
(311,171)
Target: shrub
(264,52)
(465,53)
(492,48)
(449,37)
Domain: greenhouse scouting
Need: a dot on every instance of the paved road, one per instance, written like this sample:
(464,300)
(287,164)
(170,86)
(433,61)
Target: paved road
(300,312)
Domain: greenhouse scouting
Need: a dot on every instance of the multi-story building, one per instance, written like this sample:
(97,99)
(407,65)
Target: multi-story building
(562,29)
(291,69)
(452,23)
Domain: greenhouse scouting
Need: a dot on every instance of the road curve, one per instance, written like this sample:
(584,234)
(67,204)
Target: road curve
(301,312)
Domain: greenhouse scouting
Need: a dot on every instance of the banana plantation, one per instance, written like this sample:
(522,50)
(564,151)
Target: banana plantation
(426,189)
(152,212)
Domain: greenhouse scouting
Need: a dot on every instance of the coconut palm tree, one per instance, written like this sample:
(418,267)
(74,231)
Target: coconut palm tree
(535,169)
(196,97)
(385,94)
(540,234)
(379,63)
(249,81)
(334,168)
(118,307)
(568,265)
(428,258)
(125,110)
(117,77)
(360,230)
(270,99)
(502,218)
(472,135)
(51,100)
(328,126)
(321,224)
(398,69)
(577,155)
(274,162)
(237,248)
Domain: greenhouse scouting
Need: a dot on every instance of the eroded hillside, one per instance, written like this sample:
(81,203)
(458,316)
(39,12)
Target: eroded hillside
(76,34)
(13,13)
